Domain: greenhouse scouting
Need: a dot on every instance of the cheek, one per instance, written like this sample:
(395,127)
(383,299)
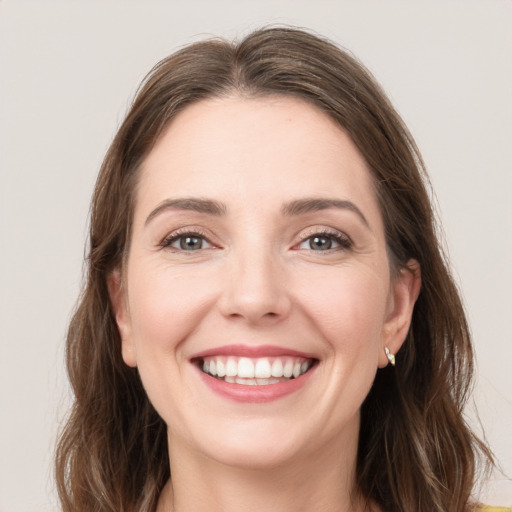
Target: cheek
(349,309)
(165,308)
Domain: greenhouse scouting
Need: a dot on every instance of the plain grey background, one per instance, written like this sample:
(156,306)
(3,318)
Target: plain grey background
(67,73)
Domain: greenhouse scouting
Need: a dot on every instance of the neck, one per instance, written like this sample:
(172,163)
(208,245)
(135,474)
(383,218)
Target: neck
(323,483)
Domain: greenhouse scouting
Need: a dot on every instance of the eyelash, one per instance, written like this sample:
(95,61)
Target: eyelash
(344,242)
(177,235)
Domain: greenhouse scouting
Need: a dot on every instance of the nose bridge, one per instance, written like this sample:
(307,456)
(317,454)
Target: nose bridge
(255,287)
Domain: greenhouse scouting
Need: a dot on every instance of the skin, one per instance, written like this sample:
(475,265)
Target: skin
(255,279)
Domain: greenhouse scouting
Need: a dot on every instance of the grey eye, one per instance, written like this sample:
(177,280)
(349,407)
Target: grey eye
(320,243)
(187,242)
(190,243)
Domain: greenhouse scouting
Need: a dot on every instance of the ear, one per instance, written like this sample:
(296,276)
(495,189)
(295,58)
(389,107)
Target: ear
(119,303)
(405,289)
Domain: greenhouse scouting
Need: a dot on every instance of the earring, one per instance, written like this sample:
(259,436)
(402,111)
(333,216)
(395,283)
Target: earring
(390,356)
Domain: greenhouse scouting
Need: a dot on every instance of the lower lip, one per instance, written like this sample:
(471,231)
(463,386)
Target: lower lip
(255,394)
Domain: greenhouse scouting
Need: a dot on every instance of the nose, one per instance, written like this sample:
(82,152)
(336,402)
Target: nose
(255,288)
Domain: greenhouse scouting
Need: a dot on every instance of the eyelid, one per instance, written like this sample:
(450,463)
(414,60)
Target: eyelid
(171,237)
(340,237)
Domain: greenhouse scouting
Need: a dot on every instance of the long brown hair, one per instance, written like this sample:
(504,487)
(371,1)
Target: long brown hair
(415,450)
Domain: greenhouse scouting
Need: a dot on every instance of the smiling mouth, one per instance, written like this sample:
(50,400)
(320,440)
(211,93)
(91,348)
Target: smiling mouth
(262,371)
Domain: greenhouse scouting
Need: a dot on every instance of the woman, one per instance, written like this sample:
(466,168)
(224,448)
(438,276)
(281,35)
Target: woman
(262,253)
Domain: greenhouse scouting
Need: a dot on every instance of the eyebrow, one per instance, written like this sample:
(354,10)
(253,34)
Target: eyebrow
(208,206)
(308,205)
(218,209)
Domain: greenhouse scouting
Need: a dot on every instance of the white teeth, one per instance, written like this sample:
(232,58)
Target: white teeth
(277,368)
(254,382)
(258,371)
(247,382)
(246,368)
(221,368)
(288,369)
(231,367)
(263,370)
(266,382)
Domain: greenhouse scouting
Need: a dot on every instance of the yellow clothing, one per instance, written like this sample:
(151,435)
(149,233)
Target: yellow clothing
(495,509)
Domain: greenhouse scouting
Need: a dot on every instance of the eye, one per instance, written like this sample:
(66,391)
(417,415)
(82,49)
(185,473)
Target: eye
(325,241)
(186,242)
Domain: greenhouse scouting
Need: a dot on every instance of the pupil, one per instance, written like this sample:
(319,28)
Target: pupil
(320,242)
(189,243)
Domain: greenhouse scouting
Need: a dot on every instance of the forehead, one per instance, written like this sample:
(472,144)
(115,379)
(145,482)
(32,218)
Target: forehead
(269,149)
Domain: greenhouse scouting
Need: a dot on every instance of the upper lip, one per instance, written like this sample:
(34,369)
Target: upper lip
(253,351)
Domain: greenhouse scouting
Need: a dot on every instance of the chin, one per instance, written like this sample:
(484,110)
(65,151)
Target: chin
(256,454)
(249,443)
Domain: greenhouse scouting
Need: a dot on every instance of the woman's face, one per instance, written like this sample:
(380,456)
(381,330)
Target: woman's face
(257,299)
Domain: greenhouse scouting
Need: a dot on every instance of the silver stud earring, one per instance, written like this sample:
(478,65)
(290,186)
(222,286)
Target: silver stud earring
(390,356)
